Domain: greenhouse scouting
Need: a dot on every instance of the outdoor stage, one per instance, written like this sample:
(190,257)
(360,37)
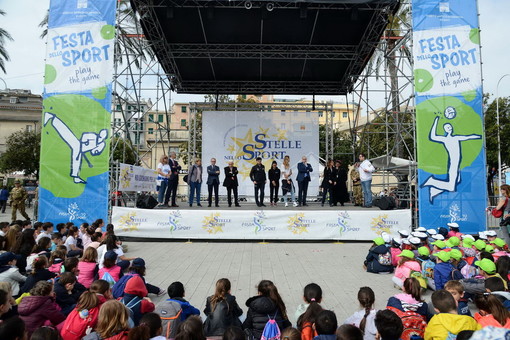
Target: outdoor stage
(252,223)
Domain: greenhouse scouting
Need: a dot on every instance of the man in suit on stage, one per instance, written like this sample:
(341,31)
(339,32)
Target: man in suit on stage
(213,181)
(303,178)
(259,179)
(173,180)
(231,183)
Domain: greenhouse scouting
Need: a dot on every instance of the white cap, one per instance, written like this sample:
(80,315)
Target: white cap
(404,233)
(431,232)
(467,236)
(453,225)
(482,235)
(491,233)
(414,240)
(421,235)
(397,240)
(405,241)
(422,229)
(386,237)
(415,233)
(438,237)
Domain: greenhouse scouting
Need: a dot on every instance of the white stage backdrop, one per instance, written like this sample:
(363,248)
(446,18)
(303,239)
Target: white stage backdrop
(259,224)
(244,136)
(136,178)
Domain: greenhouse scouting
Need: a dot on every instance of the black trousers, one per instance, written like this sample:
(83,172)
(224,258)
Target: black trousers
(302,191)
(171,191)
(273,192)
(325,193)
(210,187)
(229,195)
(259,188)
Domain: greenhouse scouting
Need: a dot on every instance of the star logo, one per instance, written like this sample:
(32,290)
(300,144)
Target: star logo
(280,134)
(241,142)
(231,148)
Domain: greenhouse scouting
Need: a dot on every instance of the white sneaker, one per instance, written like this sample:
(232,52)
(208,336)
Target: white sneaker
(286,204)
(295,204)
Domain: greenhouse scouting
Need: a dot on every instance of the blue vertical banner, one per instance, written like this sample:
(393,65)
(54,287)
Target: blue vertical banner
(449,116)
(75,134)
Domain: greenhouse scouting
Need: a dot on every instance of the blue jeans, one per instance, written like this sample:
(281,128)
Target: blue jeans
(366,186)
(161,191)
(194,187)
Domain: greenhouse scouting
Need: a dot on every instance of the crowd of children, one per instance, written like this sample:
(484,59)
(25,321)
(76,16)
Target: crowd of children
(87,288)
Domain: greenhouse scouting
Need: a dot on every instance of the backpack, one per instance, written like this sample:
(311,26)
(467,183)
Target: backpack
(109,278)
(421,279)
(119,286)
(130,305)
(271,330)
(170,314)
(384,259)
(456,274)
(414,323)
(427,269)
(78,323)
(468,271)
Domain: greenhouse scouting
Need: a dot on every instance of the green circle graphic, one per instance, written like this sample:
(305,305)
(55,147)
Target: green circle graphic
(474,36)
(108,32)
(423,80)
(99,92)
(432,156)
(50,74)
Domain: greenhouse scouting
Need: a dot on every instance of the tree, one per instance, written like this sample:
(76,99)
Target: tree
(342,146)
(22,154)
(124,152)
(491,131)
(4,56)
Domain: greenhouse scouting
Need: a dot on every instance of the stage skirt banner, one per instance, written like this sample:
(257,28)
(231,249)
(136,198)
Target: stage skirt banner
(259,224)
(449,117)
(76,111)
(243,136)
(136,178)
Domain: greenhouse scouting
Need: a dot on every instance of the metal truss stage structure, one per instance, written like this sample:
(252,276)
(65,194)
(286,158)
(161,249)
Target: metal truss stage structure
(314,47)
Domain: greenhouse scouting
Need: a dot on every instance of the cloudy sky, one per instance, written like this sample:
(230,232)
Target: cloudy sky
(25,69)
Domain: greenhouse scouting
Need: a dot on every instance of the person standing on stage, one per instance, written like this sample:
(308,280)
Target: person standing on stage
(213,182)
(163,175)
(274,183)
(258,177)
(287,185)
(340,193)
(356,185)
(195,182)
(173,180)
(365,173)
(328,182)
(303,178)
(231,183)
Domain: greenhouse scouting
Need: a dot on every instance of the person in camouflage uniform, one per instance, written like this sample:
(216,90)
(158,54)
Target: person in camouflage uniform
(356,185)
(17,200)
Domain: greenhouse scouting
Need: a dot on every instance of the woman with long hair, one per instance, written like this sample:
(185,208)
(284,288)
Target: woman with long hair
(287,184)
(328,182)
(221,309)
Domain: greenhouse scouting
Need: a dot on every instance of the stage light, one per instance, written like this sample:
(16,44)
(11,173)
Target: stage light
(270,6)
(248,5)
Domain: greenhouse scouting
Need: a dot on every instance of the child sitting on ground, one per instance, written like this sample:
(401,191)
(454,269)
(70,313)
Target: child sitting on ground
(312,295)
(10,273)
(221,309)
(150,328)
(365,318)
(447,322)
(378,259)
(39,273)
(83,318)
(492,312)
(88,267)
(57,258)
(110,267)
(495,286)
(406,265)
(396,249)
(442,270)
(326,325)
(389,325)
(456,288)
(176,293)
(135,299)
(66,294)
(410,300)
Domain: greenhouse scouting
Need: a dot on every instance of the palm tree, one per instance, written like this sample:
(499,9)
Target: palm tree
(4,56)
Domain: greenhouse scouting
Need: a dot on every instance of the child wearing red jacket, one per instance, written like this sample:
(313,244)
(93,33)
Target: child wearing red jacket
(135,299)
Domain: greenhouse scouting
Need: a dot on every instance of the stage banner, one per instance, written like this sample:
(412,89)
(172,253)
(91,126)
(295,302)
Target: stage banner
(136,178)
(449,117)
(76,111)
(243,136)
(259,224)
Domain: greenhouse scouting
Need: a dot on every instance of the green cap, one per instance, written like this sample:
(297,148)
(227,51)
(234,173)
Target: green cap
(499,242)
(487,266)
(453,241)
(489,248)
(455,254)
(406,253)
(379,241)
(440,244)
(443,256)
(480,244)
(467,242)
(424,251)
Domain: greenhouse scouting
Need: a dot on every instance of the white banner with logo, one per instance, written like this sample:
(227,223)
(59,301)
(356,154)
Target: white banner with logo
(259,224)
(136,178)
(243,136)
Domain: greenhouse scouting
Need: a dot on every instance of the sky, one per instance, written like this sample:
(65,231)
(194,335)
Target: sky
(26,65)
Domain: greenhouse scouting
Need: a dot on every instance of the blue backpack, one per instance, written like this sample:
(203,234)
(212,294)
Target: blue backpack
(271,330)
(118,287)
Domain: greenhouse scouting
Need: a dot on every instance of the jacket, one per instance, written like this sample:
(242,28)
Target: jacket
(274,175)
(193,174)
(88,271)
(406,303)
(328,175)
(36,310)
(212,176)
(32,279)
(404,270)
(372,262)
(394,256)
(4,195)
(174,170)
(13,277)
(260,309)
(135,289)
(187,308)
(226,313)
(325,337)
(304,172)
(65,300)
(115,272)
(370,329)
(489,320)
(443,324)
(442,274)
(258,174)
(75,326)
(230,177)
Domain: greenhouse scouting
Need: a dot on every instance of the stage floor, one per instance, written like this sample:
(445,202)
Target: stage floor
(280,206)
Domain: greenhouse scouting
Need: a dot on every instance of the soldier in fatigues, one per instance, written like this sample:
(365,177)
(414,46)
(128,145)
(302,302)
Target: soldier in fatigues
(17,200)
(356,185)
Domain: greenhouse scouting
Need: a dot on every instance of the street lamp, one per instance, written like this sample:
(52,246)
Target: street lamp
(497,122)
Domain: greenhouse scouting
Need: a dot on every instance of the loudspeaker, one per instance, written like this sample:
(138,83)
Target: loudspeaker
(385,203)
(146,202)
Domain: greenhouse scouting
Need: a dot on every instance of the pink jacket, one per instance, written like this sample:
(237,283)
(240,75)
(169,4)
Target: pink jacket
(113,271)
(452,233)
(404,271)
(394,256)
(87,273)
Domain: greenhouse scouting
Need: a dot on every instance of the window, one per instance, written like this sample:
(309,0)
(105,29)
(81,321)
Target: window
(183,121)
(183,109)
(29,128)
(160,118)
(321,114)
(151,117)
(119,108)
(23,99)
(13,100)
(344,114)
(333,114)
(283,112)
(151,131)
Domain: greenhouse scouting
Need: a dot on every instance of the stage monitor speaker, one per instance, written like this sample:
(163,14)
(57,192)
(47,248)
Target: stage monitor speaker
(385,203)
(146,202)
